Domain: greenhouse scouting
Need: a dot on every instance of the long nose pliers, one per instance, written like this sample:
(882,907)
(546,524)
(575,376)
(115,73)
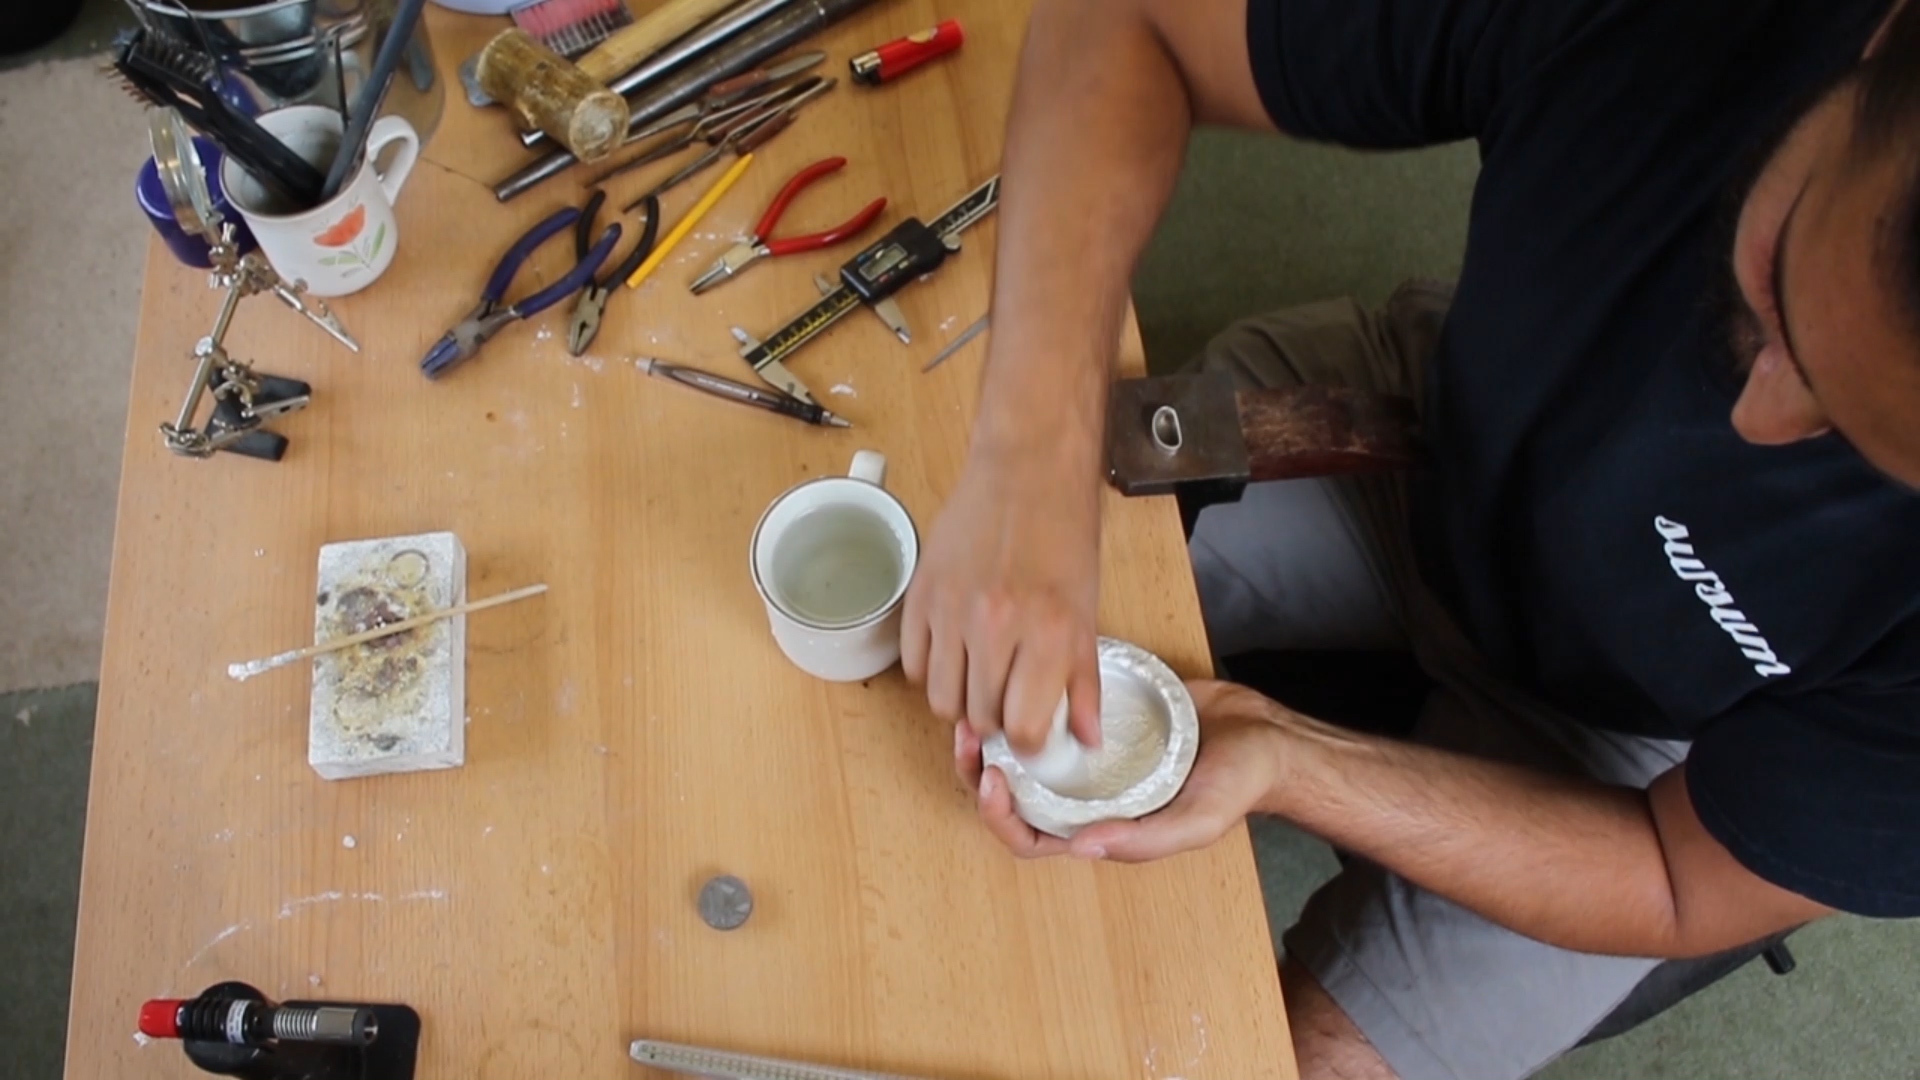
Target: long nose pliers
(762,245)
(599,287)
(490,315)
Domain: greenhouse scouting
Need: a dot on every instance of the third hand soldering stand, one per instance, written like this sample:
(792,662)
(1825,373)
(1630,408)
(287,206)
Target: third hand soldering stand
(244,400)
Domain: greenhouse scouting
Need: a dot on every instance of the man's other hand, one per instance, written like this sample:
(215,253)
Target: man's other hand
(1240,744)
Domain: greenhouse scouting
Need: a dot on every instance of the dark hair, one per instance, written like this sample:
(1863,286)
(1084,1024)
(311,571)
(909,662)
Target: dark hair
(1889,122)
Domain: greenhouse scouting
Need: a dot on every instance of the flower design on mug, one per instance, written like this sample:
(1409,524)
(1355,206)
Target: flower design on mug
(343,235)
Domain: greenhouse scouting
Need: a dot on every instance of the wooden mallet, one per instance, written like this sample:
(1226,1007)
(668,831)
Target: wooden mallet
(570,101)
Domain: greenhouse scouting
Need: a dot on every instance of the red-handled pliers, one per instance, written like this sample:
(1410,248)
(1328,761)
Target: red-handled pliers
(761,244)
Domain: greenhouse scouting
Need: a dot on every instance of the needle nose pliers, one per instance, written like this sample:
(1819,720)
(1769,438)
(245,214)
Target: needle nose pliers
(593,299)
(762,245)
(490,315)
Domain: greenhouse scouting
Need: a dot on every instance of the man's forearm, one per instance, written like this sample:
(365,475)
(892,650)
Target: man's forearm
(1099,126)
(1564,860)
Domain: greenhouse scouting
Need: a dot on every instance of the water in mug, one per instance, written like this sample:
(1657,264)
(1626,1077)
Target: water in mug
(837,565)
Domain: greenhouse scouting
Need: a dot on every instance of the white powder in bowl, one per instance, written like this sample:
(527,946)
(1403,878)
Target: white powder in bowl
(1134,730)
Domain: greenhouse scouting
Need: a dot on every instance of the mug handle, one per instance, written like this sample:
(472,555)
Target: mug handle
(871,466)
(390,129)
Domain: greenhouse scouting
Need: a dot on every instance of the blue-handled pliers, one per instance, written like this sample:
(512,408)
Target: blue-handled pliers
(490,316)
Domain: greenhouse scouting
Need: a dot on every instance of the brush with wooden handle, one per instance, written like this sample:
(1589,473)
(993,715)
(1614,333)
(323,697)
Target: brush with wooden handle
(631,46)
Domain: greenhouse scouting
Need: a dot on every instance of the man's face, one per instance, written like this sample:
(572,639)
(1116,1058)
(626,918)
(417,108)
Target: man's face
(1821,330)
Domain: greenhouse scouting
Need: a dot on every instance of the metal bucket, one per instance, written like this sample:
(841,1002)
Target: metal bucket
(283,52)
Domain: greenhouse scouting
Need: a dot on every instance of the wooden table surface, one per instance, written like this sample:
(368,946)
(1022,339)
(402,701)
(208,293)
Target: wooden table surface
(635,731)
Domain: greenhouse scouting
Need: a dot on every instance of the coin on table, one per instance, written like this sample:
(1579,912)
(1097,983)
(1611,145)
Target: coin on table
(725,903)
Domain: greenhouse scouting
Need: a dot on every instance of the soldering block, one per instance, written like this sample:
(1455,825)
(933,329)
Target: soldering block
(394,704)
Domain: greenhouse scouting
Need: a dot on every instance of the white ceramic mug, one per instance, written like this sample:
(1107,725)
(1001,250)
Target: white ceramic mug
(832,559)
(346,243)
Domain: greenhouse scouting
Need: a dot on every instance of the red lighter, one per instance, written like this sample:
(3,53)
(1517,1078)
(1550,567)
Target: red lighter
(896,58)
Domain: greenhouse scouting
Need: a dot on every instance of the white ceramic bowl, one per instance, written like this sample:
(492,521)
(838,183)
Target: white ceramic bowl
(1131,678)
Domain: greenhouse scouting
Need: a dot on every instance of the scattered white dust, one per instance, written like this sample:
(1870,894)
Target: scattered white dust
(313,980)
(602,750)
(349,842)
(947,323)
(545,334)
(545,869)
(259,553)
(224,836)
(216,939)
(488,831)
(563,701)
(426,894)
(844,390)
(140,1039)
(25,716)
(578,398)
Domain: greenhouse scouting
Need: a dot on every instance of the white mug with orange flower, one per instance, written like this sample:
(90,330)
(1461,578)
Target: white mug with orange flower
(346,243)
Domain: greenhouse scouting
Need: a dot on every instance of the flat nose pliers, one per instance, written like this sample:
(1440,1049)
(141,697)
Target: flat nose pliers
(585,325)
(491,315)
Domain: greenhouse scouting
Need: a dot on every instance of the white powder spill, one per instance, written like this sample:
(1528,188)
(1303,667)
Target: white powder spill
(288,909)
(224,836)
(259,553)
(217,939)
(578,398)
(313,980)
(545,333)
(349,842)
(844,390)
(25,716)
(947,323)
(332,896)
(140,1039)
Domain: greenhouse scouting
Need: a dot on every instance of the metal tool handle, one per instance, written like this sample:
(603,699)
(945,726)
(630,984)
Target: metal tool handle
(790,26)
(720,1064)
(800,182)
(700,41)
(578,278)
(852,227)
(510,263)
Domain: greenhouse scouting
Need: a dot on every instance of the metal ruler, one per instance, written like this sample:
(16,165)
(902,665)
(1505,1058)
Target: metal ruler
(909,252)
(721,1065)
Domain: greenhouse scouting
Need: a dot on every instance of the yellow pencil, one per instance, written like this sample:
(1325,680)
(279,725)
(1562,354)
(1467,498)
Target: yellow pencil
(687,223)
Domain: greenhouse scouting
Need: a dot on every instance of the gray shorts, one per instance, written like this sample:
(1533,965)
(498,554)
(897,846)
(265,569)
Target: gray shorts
(1327,564)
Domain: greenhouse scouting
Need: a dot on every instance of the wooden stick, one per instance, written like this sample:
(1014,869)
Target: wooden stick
(243,672)
(630,46)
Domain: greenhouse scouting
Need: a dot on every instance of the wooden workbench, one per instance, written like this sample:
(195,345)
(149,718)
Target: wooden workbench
(635,731)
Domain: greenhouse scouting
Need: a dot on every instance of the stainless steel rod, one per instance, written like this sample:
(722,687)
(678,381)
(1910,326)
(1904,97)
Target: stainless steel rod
(729,23)
(793,24)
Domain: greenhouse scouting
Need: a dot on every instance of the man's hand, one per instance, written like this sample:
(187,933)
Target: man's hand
(1238,764)
(1000,618)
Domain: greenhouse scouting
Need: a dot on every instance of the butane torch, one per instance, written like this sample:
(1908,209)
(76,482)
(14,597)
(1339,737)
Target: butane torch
(896,58)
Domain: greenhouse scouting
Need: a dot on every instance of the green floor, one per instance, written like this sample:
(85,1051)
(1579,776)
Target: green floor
(1258,224)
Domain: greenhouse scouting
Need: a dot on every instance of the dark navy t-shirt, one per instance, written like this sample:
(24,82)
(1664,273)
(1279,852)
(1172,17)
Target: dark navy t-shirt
(1587,511)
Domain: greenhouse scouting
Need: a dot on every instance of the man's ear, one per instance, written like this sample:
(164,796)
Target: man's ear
(1776,408)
